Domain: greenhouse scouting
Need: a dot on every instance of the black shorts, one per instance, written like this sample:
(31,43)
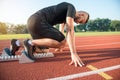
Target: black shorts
(39,28)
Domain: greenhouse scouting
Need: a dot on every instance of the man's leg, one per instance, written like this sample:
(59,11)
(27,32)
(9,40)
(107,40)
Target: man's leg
(43,35)
(51,43)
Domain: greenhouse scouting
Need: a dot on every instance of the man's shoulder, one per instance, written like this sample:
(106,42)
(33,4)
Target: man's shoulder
(65,3)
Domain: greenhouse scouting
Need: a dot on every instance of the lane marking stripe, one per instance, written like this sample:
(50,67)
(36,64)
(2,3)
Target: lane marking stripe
(104,75)
(98,44)
(72,76)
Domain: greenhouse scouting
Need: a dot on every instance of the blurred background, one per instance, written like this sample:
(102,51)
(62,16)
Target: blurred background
(104,14)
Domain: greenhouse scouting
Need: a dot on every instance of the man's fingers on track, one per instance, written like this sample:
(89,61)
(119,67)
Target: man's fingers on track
(81,61)
(75,63)
(79,64)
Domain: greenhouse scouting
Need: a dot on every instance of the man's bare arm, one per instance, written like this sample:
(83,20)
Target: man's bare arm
(71,42)
(70,34)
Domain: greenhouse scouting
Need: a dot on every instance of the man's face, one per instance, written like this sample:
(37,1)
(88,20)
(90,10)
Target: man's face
(81,18)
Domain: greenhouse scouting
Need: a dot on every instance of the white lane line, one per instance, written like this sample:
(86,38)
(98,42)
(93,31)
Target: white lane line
(100,39)
(98,44)
(72,76)
(102,74)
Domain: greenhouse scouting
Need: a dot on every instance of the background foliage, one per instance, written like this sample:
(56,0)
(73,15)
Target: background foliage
(100,25)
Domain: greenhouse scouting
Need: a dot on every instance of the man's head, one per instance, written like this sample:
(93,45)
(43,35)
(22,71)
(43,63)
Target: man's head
(81,17)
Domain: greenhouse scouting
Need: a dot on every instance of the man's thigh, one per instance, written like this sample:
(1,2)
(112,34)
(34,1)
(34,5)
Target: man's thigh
(47,31)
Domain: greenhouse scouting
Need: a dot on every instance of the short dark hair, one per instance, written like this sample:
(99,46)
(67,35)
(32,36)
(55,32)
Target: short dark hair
(87,18)
(85,13)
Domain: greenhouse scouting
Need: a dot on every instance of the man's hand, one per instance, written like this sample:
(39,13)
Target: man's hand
(58,49)
(76,60)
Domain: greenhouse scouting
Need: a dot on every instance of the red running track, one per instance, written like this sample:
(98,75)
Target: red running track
(98,51)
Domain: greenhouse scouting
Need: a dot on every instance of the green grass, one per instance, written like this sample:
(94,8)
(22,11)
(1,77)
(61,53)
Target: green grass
(96,33)
(22,36)
(14,36)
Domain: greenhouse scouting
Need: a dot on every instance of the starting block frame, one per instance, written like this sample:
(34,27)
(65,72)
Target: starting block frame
(23,58)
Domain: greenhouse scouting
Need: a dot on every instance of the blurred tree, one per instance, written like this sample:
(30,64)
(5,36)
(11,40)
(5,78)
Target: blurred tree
(102,24)
(115,25)
(20,29)
(3,28)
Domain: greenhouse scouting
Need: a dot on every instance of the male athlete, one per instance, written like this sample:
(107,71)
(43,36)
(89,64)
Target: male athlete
(40,26)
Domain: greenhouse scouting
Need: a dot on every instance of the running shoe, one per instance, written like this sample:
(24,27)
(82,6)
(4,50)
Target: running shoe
(29,49)
(13,46)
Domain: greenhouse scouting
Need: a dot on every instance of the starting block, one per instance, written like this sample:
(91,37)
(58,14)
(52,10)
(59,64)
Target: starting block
(23,58)
(6,52)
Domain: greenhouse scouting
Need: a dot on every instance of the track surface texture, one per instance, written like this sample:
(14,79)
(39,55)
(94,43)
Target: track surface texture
(100,52)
